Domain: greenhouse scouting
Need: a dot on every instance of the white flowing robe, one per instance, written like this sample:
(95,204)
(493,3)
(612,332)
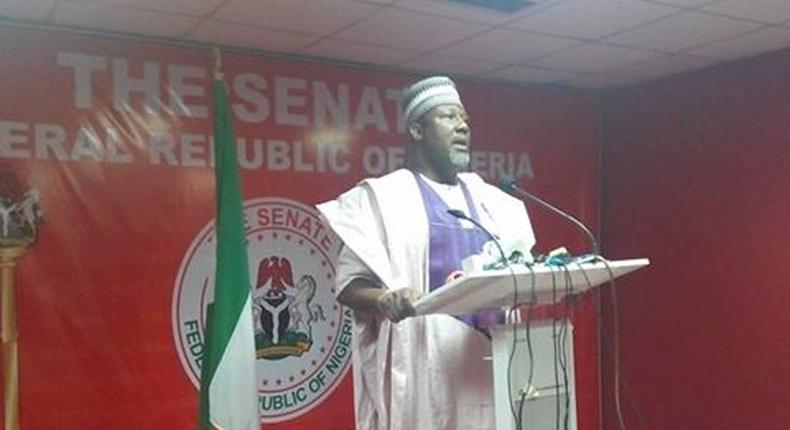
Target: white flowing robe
(427,372)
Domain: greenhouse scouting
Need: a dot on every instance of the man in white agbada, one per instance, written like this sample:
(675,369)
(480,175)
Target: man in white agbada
(420,372)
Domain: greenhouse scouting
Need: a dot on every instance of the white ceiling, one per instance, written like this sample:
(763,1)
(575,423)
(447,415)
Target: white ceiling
(577,43)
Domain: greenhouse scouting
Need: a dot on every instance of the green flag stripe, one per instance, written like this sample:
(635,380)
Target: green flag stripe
(231,283)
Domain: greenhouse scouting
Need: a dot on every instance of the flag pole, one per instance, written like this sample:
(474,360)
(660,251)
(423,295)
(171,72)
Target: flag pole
(8,259)
(217,59)
(228,391)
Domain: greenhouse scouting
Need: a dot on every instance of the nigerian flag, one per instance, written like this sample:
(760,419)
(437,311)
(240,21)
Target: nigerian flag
(228,396)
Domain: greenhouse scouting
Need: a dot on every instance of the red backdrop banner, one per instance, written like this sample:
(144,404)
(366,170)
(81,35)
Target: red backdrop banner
(696,177)
(115,136)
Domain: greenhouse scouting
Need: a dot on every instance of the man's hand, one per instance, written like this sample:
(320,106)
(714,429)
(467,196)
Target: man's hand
(398,304)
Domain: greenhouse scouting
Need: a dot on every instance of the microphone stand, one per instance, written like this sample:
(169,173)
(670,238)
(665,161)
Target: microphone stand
(461,215)
(509,186)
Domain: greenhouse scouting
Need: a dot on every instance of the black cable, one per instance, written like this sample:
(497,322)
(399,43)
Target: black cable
(564,342)
(587,282)
(561,357)
(521,401)
(528,329)
(615,341)
(531,302)
(513,346)
(561,349)
(554,342)
(461,215)
(516,418)
(615,345)
(584,273)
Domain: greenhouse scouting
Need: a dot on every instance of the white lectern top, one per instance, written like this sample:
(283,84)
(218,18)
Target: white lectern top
(493,289)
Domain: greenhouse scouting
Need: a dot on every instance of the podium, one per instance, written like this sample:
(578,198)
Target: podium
(537,398)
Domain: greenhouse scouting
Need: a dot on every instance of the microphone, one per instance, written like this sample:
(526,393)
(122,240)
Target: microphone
(461,215)
(510,186)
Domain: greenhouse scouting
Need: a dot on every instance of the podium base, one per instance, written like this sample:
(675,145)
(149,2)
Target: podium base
(549,398)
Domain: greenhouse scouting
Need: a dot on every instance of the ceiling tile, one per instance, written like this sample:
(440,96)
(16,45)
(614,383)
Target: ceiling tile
(643,71)
(597,81)
(397,28)
(26,9)
(437,36)
(765,40)
(349,51)
(186,7)
(248,36)
(683,31)
(683,3)
(768,11)
(508,46)
(116,18)
(471,13)
(304,16)
(449,65)
(664,65)
(593,57)
(529,75)
(593,19)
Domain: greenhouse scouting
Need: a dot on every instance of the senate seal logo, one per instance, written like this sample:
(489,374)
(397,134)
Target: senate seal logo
(302,335)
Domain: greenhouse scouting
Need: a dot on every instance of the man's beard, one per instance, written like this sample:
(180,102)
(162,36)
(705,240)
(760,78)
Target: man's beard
(459,159)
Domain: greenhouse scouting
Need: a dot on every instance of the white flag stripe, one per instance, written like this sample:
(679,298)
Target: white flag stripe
(233,403)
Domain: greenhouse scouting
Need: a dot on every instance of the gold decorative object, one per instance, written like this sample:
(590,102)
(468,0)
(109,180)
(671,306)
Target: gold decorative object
(18,230)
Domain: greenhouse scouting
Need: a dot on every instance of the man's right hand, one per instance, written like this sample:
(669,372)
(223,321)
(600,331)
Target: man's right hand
(398,304)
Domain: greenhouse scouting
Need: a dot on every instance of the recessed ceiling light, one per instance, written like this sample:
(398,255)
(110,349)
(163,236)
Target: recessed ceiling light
(508,6)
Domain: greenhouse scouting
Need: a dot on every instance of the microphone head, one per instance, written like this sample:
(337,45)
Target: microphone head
(508,183)
(457,213)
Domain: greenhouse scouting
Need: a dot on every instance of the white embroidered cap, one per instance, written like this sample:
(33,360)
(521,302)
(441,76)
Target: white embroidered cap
(428,93)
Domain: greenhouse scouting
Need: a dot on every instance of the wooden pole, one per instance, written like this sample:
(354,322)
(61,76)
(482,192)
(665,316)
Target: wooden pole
(9,333)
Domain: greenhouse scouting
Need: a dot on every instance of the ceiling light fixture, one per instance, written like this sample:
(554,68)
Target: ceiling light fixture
(508,6)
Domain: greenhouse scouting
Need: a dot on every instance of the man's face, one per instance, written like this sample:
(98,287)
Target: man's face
(445,138)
